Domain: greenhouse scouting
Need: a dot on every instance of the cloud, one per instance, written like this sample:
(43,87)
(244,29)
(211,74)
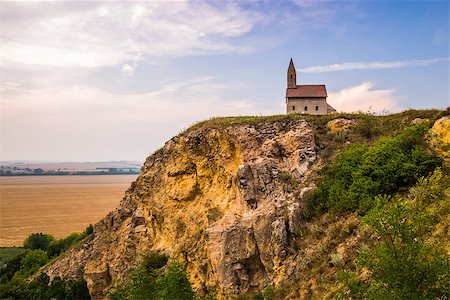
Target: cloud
(366,99)
(9,86)
(99,34)
(127,70)
(88,123)
(372,65)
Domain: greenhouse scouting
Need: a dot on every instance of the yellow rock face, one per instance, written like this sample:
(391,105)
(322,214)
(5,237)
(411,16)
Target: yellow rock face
(340,124)
(220,201)
(440,137)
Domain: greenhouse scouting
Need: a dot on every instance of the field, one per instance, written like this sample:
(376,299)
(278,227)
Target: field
(57,205)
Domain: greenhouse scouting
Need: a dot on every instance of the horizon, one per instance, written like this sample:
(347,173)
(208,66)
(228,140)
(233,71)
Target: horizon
(25,161)
(113,81)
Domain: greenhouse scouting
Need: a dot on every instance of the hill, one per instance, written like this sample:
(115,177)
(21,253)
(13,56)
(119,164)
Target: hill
(283,207)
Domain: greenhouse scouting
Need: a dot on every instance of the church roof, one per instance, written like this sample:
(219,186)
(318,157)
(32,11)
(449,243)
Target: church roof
(307,91)
(330,109)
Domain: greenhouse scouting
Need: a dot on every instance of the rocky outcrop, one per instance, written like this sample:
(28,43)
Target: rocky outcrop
(440,137)
(416,121)
(221,200)
(341,124)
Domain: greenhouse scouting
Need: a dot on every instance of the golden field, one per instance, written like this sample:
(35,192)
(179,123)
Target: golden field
(58,205)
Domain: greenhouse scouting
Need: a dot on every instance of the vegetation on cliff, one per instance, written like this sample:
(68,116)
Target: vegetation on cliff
(360,172)
(39,249)
(153,278)
(409,258)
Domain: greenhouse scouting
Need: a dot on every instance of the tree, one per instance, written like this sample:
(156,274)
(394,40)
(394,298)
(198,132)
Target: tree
(38,241)
(38,171)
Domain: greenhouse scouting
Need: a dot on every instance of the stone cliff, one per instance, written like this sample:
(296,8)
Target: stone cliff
(228,202)
(219,200)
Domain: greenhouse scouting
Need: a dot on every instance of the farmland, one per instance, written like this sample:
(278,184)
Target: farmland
(57,205)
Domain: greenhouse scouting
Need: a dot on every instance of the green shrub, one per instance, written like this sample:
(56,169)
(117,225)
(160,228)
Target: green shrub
(152,279)
(38,241)
(154,260)
(12,266)
(404,264)
(367,125)
(174,284)
(41,288)
(89,230)
(141,285)
(408,261)
(13,284)
(33,260)
(57,247)
(360,173)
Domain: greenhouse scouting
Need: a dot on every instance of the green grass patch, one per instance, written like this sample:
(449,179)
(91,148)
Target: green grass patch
(8,253)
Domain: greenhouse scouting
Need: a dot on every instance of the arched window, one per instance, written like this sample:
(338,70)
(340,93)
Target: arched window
(317,107)
(306,108)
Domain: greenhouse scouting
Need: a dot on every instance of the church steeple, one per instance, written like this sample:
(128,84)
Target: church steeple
(291,76)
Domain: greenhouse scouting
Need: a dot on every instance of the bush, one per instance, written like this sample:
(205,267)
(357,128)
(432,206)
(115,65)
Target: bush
(12,266)
(33,260)
(38,241)
(154,260)
(360,173)
(42,288)
(14,283)
(367,125)
(406,264)
(89,230)
(174,284)
(410,260)
(152,279)
(57,247)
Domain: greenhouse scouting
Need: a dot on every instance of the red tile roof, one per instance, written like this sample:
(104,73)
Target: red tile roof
(307,91)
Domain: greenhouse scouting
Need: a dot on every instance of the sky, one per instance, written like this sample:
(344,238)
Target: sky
(109,80)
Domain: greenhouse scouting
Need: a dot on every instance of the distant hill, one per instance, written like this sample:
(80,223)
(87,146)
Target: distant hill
(65,168)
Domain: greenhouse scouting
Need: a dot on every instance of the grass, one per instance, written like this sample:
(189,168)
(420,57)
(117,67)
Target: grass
(368,128)
(8,253)
(385,121)
(337,260)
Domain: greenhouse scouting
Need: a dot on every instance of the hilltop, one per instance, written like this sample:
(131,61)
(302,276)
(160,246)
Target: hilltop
(248,205)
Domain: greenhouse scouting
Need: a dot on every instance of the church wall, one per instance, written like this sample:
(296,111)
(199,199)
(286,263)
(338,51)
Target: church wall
(311,103)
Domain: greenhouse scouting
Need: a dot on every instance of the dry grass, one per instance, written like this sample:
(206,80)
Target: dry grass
(57,205)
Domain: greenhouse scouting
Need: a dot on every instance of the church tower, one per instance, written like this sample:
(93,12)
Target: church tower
(291,76)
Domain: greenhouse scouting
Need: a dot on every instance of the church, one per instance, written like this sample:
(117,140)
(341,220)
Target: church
(305,98)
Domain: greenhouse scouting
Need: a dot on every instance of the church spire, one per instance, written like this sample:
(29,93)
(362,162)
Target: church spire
(291,76)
